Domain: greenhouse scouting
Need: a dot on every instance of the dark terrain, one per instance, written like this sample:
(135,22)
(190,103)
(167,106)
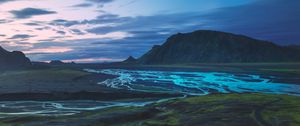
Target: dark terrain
(57,83)
(212,110)
(218,47)
(12,60)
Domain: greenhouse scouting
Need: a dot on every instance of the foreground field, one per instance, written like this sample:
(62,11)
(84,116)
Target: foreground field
(211,110)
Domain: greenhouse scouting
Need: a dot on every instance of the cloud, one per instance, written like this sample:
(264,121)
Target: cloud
(46,40)
(84,49)
(128,3)
(21,36)
(62,22)
(145,31)
(103,29)
(83,5)
(107,18)
(2,35)
(43,28)
(61,32)
(102,19)
(273,20)
(29,12)
(101,1)
(32,24)
(4,42)
(3,21)
(48,50)
(4,1)
(167,22)
(77,32)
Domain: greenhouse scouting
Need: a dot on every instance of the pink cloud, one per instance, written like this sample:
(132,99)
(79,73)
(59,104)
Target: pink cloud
(93,60)
(49,50)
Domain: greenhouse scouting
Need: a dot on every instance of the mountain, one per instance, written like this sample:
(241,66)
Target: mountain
(56,62)
(15,59)
(129,60)
(206,46)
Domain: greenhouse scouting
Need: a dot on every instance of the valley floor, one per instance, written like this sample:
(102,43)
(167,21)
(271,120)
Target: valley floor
(70,82)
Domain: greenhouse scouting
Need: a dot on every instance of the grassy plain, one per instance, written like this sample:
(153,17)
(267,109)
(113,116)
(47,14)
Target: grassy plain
(211,110)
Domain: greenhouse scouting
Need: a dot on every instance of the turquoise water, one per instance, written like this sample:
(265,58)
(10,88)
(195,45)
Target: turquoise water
(196,83)
(193,83)
(59,108)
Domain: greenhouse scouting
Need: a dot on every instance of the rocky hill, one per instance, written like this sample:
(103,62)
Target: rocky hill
(130,60)
(206,46)
(15,59)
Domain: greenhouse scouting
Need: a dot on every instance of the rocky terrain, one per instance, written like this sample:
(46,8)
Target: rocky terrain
(15,59)
(205,46)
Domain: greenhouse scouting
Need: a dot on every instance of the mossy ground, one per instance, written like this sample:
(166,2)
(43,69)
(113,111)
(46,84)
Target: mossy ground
(211,110)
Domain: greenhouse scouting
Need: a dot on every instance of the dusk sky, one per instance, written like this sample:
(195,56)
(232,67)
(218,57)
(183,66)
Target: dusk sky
(112,30)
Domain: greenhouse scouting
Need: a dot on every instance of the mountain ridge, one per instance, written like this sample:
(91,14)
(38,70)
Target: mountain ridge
(206,46)
(14,59)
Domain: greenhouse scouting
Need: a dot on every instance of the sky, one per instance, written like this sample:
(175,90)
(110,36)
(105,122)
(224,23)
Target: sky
(111,30)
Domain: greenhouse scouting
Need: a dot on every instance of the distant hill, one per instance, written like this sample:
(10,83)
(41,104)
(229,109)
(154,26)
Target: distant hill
(15,59)
(56,62)
(206,46)
(130,60)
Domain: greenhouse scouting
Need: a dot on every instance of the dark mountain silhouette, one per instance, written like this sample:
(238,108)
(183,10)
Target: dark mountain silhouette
(15,59)
(206,46)
(56,62)
(130,59)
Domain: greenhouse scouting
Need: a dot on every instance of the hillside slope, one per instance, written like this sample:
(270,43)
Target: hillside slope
(15,59)
(205,46)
